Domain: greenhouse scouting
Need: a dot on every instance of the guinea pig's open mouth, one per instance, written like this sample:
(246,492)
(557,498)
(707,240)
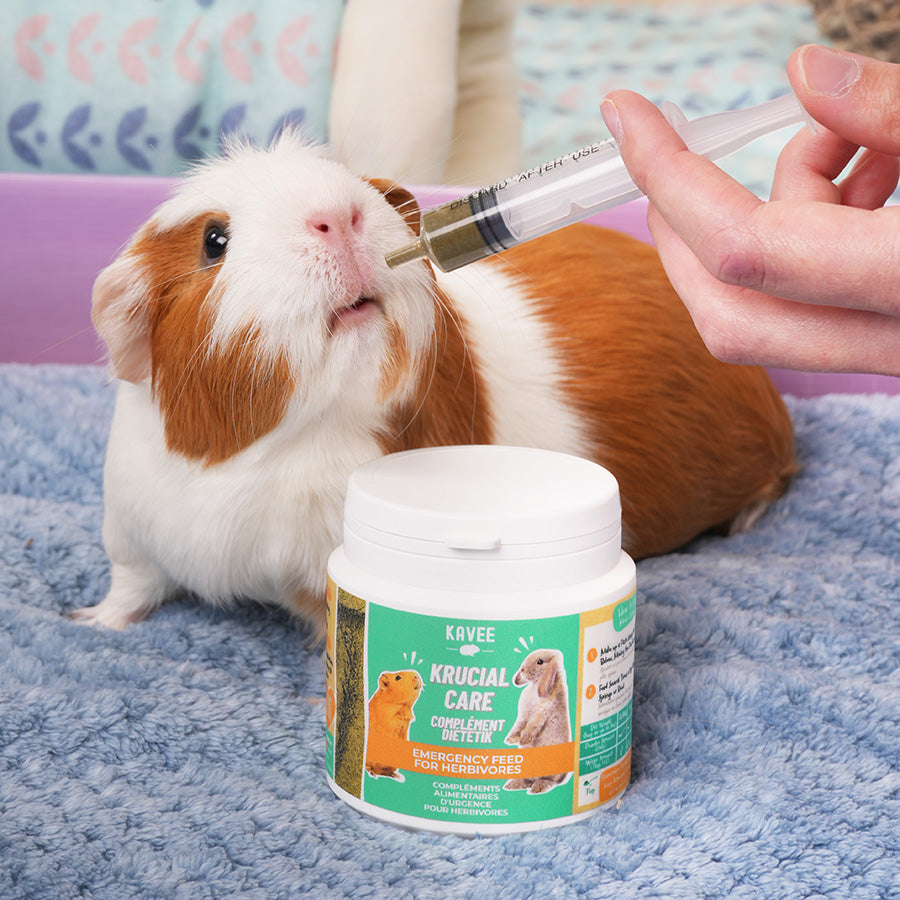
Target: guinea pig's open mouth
(360,310)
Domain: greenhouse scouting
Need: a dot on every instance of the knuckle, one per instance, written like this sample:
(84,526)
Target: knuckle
(735,258)
(723,345)
(725,338)
(891,121)
(882,90)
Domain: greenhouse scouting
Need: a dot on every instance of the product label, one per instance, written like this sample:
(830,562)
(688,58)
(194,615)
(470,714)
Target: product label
(478,721)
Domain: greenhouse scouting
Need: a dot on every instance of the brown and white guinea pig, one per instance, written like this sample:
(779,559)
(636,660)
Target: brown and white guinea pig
(265,350)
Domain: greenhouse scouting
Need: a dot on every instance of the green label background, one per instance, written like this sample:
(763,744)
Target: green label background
(402,641)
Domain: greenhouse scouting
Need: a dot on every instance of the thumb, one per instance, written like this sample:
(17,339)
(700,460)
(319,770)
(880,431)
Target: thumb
(855,97)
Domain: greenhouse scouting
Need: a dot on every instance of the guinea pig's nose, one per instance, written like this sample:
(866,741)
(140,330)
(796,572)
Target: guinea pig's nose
(334,226)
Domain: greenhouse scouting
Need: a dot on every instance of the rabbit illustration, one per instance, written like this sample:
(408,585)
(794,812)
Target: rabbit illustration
(543,717)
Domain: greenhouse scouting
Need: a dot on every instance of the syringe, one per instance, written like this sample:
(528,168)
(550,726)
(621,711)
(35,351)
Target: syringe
(573,187)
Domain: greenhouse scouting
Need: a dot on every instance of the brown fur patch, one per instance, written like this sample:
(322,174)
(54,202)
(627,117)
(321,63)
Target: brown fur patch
(450,404)
(691,440)
(215,401)
(401,199)
(397,364)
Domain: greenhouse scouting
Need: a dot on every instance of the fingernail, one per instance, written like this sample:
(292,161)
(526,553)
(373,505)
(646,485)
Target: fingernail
(827,72)
(611,117)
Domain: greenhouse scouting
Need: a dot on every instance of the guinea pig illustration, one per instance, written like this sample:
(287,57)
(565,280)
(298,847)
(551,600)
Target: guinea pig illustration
(390,714)
(264,349)
(543,714)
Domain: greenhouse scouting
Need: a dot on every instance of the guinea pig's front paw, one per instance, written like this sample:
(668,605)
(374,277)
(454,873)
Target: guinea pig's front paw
(134,593)
(109,615)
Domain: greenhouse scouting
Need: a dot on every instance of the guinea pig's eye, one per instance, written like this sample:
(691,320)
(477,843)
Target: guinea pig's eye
(397,678)
(215,241)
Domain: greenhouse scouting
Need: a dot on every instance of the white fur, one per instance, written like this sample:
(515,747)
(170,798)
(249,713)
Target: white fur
(262,523)
(259,525)
(519,364)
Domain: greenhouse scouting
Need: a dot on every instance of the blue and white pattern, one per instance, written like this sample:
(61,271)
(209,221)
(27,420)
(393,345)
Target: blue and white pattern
(149,87)
(706,58)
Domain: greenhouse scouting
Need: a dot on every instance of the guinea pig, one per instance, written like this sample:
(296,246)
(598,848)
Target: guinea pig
(390,713)
(543,714)
(264,350)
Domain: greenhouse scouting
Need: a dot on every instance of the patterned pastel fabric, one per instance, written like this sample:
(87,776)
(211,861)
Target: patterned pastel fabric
(148,86)
(705,57)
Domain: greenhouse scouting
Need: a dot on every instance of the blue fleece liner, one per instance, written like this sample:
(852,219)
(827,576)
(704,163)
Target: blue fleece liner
(184,758)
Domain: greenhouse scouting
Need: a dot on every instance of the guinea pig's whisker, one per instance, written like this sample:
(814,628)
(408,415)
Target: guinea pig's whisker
(185,376)
(468,359)
(201,350)
(430,381)
(159,286)
(252,346)
(477,281)
(72,336)
(453,316)
(234,410)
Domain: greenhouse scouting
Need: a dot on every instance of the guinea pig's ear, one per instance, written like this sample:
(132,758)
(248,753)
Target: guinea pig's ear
(119,313)
(401,199)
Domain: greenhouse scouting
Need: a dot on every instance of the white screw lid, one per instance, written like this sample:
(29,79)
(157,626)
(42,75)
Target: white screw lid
(484,499)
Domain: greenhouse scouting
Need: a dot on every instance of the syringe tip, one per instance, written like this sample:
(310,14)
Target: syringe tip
(413,251)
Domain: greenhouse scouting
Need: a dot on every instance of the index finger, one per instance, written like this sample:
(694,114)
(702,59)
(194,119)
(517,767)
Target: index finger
(692,193)
(795,249)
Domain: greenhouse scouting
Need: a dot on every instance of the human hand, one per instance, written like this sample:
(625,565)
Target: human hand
(810,279)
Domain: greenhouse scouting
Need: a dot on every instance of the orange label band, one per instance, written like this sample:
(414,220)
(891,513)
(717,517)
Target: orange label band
(615,779)
(452,762)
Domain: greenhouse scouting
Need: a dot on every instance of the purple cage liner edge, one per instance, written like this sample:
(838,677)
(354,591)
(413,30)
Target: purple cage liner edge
(58,231)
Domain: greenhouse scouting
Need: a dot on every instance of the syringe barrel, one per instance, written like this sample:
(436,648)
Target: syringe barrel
(565,191)
(465,230)
(526,205)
